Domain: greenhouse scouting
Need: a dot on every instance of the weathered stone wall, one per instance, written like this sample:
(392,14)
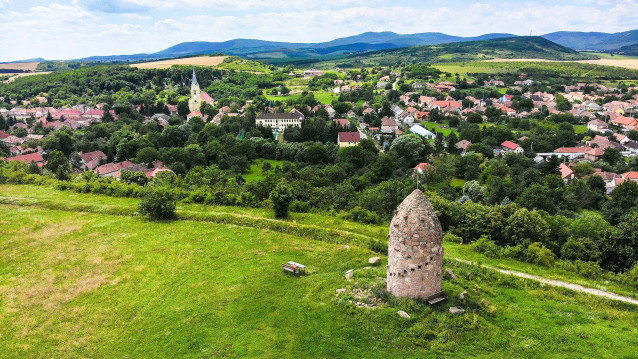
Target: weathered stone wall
(415,252)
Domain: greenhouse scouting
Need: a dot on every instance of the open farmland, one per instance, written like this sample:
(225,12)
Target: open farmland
(190,61)
(19,66)
(629,63)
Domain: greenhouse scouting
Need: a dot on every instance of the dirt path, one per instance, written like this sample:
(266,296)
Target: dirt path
(558,283)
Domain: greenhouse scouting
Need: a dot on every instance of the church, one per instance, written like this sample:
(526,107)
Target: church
(198,97)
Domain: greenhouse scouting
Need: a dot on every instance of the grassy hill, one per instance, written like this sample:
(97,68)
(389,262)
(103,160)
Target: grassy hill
(504,48)
(83,276)
(599,41)
(629,50)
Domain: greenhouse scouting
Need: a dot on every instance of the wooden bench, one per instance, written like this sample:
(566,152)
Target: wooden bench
(436,298)
(295,268)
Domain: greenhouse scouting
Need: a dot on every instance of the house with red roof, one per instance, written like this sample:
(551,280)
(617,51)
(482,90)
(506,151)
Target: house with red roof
(511,147)
(342,122)
(423,168)
(29,158)
(566,173)
(594,154)
(627,123)
(388,125)
(91,160)
(631,176)
(463,145)
(111,169)
(347,139)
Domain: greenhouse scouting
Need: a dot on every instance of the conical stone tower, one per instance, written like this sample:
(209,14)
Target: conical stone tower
(415,252)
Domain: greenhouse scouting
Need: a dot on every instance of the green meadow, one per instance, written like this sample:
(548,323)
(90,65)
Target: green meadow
(85,276)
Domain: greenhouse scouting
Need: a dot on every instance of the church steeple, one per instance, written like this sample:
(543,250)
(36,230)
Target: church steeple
(196,99)
(194,82)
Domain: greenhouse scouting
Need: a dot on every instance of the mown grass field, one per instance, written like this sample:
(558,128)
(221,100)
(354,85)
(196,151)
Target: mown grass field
(89,284)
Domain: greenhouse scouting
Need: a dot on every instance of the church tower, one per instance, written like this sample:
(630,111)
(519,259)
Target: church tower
(196,98)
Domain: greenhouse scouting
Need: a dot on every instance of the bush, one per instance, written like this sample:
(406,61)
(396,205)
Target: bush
(449,237)
(281,197)
(158,203)
(299,206)
(362,215)
(538,254)
(485,246)
(584,249)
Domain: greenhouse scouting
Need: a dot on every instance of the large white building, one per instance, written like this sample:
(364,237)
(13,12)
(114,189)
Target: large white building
(280,121)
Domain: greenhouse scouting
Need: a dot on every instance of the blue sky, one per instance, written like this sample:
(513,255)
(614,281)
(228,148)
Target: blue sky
(66,29)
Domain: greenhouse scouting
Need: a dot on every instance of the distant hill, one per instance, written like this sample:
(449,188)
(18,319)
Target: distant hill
(598,41)
(39,59)
(503,48)
(260,49)
(630,50)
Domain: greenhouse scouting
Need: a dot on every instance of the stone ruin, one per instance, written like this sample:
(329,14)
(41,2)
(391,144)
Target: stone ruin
(415,251)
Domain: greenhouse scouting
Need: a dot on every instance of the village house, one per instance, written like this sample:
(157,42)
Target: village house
(463,145)
(389,125)
(28,158)
(597,126)
(594,154)
(566,173)
(111,169)
(347,139)
(511,147)
(312,73)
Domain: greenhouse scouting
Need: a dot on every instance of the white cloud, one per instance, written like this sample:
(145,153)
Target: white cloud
(137,17)
(70,31)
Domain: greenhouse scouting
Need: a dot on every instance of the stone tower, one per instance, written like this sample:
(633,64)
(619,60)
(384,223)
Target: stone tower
(196,99)
(415,252)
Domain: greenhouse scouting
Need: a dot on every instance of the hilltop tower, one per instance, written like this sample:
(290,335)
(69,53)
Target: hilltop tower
(196,98)
(415,252)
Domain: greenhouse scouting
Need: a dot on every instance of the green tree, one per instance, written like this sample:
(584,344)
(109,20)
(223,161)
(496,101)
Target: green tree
(525,227)
(281,197)
(562,104)
(58,164)
(411,148)
(612,156)
(158,202)
(147,155)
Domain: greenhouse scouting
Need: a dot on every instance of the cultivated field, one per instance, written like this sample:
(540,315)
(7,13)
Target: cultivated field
(20,66)
(626,63)
(190,61)
(15,76)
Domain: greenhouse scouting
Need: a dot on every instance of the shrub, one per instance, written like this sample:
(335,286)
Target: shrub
(632,276)
(281,197)
(362,215)
(449,237)
(158,203)
(538,254)
(487,247)
(299,206)
(584,249)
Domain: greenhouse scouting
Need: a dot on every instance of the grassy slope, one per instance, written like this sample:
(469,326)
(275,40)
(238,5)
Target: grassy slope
(90,284)
(572,70)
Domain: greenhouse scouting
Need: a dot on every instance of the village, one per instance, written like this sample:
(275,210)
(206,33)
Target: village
(608,121)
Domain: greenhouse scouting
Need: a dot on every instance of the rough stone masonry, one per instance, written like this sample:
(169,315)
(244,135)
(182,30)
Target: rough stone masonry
(415,252)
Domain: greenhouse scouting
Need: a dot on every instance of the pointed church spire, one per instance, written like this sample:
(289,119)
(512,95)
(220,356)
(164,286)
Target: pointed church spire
(194,82)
